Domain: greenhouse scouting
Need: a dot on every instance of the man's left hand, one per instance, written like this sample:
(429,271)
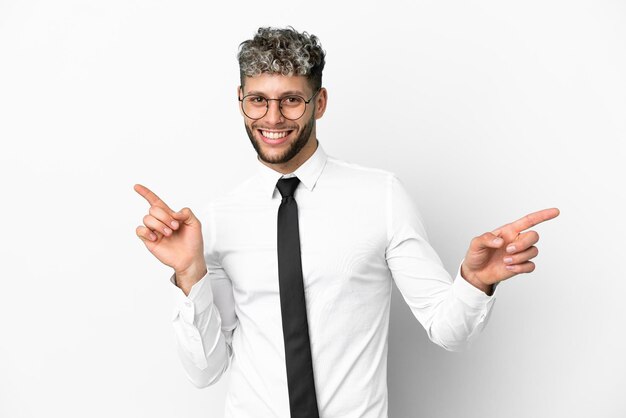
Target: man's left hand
(504,252)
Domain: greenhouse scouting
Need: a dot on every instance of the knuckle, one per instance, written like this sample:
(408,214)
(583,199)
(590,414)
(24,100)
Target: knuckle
(158,212)
(481,238)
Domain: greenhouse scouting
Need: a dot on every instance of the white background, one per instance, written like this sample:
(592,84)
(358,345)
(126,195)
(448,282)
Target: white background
(486,110)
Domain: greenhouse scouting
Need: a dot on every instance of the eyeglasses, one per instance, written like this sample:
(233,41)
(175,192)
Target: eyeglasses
(292,107)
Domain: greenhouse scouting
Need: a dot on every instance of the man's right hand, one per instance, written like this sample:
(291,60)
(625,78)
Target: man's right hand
(175,239)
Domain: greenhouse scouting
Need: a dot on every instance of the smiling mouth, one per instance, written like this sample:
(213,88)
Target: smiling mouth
(274,135)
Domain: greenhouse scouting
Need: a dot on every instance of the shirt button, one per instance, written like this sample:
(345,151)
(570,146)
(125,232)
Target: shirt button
(187,303)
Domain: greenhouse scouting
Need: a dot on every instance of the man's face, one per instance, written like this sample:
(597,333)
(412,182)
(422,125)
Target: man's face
(278,140)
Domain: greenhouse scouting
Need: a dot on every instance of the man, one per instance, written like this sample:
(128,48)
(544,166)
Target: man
(290,287)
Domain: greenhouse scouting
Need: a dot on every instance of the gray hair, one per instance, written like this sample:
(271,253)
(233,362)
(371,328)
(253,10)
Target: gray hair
(282,51)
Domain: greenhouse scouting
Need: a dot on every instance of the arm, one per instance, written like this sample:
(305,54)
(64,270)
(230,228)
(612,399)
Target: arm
(453,312)
(204,318)
(204,322)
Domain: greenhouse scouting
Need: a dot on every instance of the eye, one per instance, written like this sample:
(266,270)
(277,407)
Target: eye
(255,100)
(292,100)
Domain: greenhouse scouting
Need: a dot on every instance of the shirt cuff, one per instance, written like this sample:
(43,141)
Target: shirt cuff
(199,298)
(470,294)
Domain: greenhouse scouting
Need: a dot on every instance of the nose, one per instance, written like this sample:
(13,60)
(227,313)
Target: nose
(273,114)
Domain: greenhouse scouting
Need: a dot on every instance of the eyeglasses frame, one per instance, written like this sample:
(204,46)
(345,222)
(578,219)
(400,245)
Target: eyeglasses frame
(280,108)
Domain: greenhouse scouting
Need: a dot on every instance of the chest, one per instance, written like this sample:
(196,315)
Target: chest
(342,245)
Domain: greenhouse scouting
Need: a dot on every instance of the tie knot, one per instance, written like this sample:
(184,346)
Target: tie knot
(287,187)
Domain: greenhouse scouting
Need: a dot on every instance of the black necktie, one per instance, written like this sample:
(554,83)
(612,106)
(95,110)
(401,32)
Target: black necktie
(302,398)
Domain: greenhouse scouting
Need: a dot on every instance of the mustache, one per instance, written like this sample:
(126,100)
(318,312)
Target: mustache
(270,128)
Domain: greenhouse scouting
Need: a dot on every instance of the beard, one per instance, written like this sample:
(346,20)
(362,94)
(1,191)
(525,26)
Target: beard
(294,148)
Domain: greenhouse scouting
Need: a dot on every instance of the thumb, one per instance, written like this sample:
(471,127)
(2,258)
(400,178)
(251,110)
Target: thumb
(487,240)
(186,216)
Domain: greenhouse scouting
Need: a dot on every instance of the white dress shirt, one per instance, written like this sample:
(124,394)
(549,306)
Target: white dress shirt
(358,231)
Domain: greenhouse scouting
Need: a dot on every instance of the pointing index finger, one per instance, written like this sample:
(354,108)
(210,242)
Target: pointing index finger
(535,218)
(150,196)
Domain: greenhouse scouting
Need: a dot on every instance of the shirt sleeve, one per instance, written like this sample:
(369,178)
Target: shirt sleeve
(452,311)
(204,320)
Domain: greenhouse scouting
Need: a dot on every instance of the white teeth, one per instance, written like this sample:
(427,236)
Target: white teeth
(274,135)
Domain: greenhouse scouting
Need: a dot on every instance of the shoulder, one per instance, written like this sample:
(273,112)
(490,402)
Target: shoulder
(358,173)
(371,182)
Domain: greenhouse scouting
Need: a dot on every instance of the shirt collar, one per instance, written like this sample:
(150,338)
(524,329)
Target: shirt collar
(308,173)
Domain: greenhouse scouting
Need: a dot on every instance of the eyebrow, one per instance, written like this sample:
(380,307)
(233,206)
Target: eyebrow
(286,93)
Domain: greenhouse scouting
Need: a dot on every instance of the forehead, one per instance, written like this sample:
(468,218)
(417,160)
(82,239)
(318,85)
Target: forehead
(277,84)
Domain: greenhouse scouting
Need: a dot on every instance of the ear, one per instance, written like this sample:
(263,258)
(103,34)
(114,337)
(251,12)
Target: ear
(239,96)
(320,103)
